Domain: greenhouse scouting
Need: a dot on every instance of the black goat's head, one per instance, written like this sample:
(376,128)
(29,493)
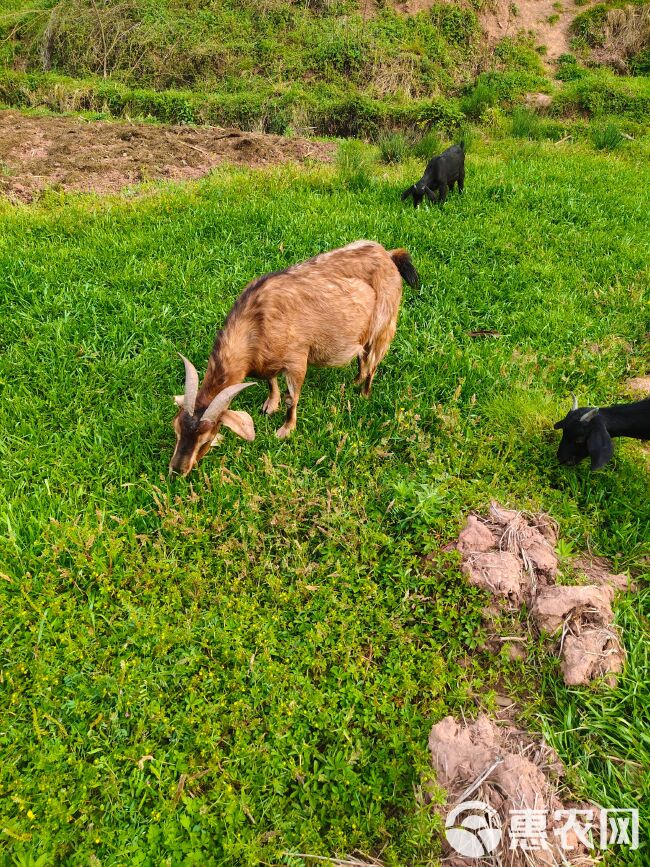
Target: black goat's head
(584,434)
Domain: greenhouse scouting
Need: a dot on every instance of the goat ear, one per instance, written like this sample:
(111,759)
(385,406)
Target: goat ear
(599,446)
(407,193)
(179,399)
(239,422)
(558,425)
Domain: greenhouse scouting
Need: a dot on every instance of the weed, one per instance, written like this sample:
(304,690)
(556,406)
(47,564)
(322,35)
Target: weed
(393,147)
(526,124)
(428,146)
(606,138)
(354,165)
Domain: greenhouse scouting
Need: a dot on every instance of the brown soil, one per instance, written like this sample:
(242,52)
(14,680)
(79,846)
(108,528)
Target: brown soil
(507,18)
(640,386)
(509,770)
(104,157)
(511,554)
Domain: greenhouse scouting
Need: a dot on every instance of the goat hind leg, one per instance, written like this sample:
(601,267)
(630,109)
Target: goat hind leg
(375,354)
(295,377)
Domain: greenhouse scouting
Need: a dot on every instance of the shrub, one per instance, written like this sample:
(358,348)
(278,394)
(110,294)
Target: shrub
(427,146)
(640,63)
(606,138)
(393,147)
(568,69)
(602,93)
(526,124)
(353,165)
(482,96)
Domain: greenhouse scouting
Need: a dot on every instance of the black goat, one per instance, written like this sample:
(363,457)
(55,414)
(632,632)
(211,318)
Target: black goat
(440,175)
(588,431)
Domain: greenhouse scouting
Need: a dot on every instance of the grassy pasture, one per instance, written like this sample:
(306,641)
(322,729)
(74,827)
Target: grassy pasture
(247,662)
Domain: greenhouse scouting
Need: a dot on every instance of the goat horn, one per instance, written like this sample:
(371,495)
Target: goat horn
(191,385)
(575,402)
(222,400)
(591,413)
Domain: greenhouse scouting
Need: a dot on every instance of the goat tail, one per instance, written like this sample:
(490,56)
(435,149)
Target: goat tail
(403,263)
(407,193)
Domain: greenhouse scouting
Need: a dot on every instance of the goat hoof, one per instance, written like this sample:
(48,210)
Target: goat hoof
(270,406)
(283,432)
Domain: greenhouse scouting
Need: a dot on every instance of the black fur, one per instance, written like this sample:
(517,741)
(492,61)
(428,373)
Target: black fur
(406,267)
(593,438)
(439,177)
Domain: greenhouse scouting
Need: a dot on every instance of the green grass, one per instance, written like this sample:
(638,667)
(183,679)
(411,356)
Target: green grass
(267,629)
(164,44)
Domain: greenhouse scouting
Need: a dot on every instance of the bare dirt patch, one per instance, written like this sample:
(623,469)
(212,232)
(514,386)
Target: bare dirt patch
(512,555)
(548,20)
(509,770)
(103,157)
(640,386)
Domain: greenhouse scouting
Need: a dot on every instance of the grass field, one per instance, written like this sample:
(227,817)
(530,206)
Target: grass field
(245,663)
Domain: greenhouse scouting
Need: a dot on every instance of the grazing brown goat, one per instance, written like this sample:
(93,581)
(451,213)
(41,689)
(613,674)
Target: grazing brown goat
(327,311)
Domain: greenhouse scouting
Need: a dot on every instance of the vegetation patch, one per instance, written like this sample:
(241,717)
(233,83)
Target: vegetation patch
(249,661)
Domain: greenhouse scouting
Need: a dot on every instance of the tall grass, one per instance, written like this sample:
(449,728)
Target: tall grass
(607,137)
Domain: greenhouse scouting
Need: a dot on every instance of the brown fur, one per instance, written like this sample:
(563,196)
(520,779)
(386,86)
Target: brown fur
(327,311)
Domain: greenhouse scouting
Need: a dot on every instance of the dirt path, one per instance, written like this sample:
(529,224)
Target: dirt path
(104,157)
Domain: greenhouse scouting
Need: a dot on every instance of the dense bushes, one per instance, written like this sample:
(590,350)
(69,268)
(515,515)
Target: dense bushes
(323,110)
(600,92)
(173,44)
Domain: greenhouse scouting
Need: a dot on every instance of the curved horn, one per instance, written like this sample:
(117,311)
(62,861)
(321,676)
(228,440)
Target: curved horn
(591,413)
(575,402)
(191,385)
(222,400)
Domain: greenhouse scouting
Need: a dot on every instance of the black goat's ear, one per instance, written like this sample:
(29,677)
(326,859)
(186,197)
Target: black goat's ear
(408,193)
(599,445)
(558,425)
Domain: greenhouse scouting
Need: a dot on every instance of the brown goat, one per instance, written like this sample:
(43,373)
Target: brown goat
(327,311)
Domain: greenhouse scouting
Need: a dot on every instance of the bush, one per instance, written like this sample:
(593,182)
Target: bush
(568,69)
(588,26)
(481,97)
(601,93)
(606,138)
(393,147)
(526,124)
(640,63)
(428,146)
(354,165)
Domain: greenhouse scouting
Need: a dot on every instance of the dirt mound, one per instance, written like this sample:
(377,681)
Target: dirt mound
(510,771)
(511,554)
(73,154)
(548,20)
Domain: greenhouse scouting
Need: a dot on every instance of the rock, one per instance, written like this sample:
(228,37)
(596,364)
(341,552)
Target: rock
(539,101)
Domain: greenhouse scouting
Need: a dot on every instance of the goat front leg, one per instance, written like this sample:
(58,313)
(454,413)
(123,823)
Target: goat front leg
(295,376)
(272,402)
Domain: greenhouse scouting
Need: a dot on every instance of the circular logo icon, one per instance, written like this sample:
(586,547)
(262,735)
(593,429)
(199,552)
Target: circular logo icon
(473,829)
